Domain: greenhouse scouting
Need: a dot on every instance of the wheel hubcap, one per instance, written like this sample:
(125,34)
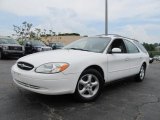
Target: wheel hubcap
(88,85)
(142,72)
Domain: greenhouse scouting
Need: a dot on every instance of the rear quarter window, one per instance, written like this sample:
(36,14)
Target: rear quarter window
(131,48)
(140,46)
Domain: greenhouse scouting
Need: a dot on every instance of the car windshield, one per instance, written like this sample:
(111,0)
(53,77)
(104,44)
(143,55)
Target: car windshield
(8,41)
(91,44)
(37,43)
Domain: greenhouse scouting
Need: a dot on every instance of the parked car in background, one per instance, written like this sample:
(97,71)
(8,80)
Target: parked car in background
(151,60)
(10,47)
(157,57)
(82,67)
(56,45)
(33,46)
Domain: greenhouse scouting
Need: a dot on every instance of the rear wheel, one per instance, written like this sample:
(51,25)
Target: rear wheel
(141,75)
(89,85)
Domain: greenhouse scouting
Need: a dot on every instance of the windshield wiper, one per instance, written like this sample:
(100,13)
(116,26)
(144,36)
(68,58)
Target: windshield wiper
(77,49)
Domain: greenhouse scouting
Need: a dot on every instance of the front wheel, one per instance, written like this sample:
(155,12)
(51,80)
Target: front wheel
(141,75)
(89,85)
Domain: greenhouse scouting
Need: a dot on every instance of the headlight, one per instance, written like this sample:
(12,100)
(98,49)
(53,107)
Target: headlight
(4,47)
(50,68)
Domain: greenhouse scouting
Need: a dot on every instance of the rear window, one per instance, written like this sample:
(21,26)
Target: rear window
(140,46)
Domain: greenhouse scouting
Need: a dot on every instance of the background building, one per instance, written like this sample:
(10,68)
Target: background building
(64,39)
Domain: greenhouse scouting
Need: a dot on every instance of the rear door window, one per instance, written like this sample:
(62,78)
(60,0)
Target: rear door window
(118,43)
(131,48)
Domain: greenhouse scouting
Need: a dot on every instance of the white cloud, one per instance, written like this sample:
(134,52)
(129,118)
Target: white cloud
(140,32)
(66,20)
(140,9)
(64,16)
(74,15)
(88,9)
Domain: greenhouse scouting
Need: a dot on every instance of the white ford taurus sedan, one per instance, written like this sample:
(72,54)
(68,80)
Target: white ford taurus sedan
(82,67)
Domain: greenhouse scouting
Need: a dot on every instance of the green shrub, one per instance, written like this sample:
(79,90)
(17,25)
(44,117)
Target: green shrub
(153,53)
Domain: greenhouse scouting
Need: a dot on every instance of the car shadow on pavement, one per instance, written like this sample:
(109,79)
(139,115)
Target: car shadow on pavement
(68,100)
(61,106)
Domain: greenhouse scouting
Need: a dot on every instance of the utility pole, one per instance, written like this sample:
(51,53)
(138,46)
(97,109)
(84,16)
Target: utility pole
(106,17)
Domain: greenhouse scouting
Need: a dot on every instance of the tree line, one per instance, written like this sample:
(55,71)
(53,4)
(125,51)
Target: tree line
(26,31)
(150,47)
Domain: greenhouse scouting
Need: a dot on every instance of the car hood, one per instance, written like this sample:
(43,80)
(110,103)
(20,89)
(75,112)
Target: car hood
(12,45)
(67,56)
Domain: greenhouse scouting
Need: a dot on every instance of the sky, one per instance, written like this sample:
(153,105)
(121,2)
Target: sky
(139,19)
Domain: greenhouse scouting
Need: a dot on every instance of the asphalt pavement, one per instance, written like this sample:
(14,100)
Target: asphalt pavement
(122,100)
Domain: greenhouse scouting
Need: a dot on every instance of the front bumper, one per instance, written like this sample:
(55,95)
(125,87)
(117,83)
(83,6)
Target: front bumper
(13,52)
(49,84)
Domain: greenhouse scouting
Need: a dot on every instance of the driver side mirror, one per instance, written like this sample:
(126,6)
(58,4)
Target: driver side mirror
(116,50)
(54,46)
(28,44)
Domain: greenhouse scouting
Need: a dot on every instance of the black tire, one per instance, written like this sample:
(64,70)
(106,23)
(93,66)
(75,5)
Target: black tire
(91,83)
(141,75)
(1,55)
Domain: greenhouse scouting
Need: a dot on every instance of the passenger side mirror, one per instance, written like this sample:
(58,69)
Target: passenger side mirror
(116,50)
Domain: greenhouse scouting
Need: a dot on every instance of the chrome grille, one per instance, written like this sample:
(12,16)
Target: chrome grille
(18,48)
(25,66)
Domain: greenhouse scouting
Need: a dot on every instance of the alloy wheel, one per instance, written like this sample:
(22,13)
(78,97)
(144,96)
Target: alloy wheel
(88,86)
(142,73)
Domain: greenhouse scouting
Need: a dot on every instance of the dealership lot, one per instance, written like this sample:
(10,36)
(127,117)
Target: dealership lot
(122,100)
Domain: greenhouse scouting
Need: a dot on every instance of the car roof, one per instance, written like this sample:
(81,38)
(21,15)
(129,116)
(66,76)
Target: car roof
(113,36)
